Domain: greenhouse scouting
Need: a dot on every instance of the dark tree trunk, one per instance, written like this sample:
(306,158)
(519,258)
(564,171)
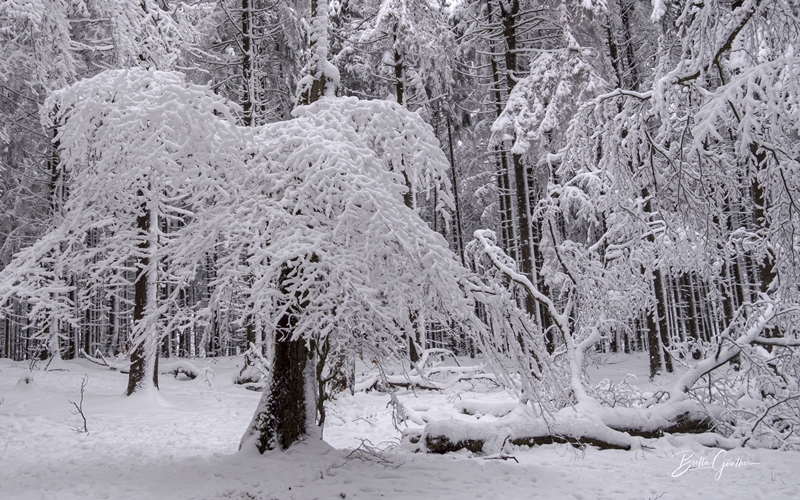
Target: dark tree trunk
(7,339)
(544,315)
(653,344)
(663,324)
(613,52)
(399,77)
(319,83)
(766,267)
(288,408)
(72,341)
(506,211)
(503,178)
(459,231)
(657,325)
(87,331)
(687,297)
(247,64)
(408,197)
(525,226)
(625,8)
(509,17)
(137,372)
(111,346)
(293,400)
(284,421)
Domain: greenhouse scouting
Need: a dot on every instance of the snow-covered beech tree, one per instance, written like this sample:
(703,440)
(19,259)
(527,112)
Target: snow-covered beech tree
(339,250)
(45,46)
(139,149)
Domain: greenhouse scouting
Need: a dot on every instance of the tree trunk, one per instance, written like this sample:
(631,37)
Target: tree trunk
(292,406)
(248,96)
(509,18)
(663,325)
(319,53)
(459,231)
(7,337)
(288,409)
(766,266)
(144,358)
(503,179)
(283,417)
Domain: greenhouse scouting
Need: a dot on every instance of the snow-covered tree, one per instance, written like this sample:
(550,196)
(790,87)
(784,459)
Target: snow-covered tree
(145,33)
(311,210)
(253,49)
(397,49)
(36,57)
(340,250)
(138,148)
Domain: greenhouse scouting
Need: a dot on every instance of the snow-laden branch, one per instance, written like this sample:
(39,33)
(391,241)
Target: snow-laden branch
(726,351)
(574,353)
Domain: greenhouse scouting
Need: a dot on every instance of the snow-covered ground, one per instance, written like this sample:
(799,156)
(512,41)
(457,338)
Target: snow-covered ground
(181,444)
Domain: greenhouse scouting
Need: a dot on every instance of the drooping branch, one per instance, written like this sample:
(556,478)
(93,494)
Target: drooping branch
(724,354)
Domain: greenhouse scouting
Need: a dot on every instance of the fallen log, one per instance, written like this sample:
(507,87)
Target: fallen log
(604,428)
(684,417)
(376,382)
(180,367)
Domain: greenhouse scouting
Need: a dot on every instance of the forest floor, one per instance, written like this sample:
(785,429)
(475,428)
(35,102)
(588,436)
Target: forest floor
(181,443)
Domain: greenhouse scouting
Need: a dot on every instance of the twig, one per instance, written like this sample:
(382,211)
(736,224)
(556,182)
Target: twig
(94,360)
(79,406)
(367,452)
(752,430)
(501,457)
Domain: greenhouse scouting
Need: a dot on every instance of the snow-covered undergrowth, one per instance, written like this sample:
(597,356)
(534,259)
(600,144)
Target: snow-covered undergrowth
(182,443)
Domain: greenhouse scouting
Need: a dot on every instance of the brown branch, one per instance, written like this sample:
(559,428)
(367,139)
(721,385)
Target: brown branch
(725,46)
(79,406)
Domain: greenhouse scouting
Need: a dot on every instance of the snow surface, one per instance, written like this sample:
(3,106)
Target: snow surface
(181,443)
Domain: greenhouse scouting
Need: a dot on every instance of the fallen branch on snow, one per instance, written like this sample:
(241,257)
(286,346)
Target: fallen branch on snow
(409,381)
(180,367)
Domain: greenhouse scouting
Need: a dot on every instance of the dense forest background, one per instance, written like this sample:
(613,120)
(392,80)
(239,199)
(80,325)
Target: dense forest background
(610,176)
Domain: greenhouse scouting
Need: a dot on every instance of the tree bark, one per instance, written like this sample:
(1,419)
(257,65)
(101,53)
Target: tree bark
(144,357)
(290,406)
(248,97)
(459,231)
(503,179)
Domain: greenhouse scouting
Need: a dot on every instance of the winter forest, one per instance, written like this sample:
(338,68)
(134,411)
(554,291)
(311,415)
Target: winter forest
(356,247)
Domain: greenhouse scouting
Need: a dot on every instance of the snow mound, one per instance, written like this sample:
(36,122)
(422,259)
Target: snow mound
(27,385)
(480,408)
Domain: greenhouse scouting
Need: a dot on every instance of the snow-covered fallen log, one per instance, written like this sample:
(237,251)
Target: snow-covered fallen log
(603,427)
(480,408)
(517,428)
(408,381)
(180,367)
(673,417)
(121,363)
(249,375)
